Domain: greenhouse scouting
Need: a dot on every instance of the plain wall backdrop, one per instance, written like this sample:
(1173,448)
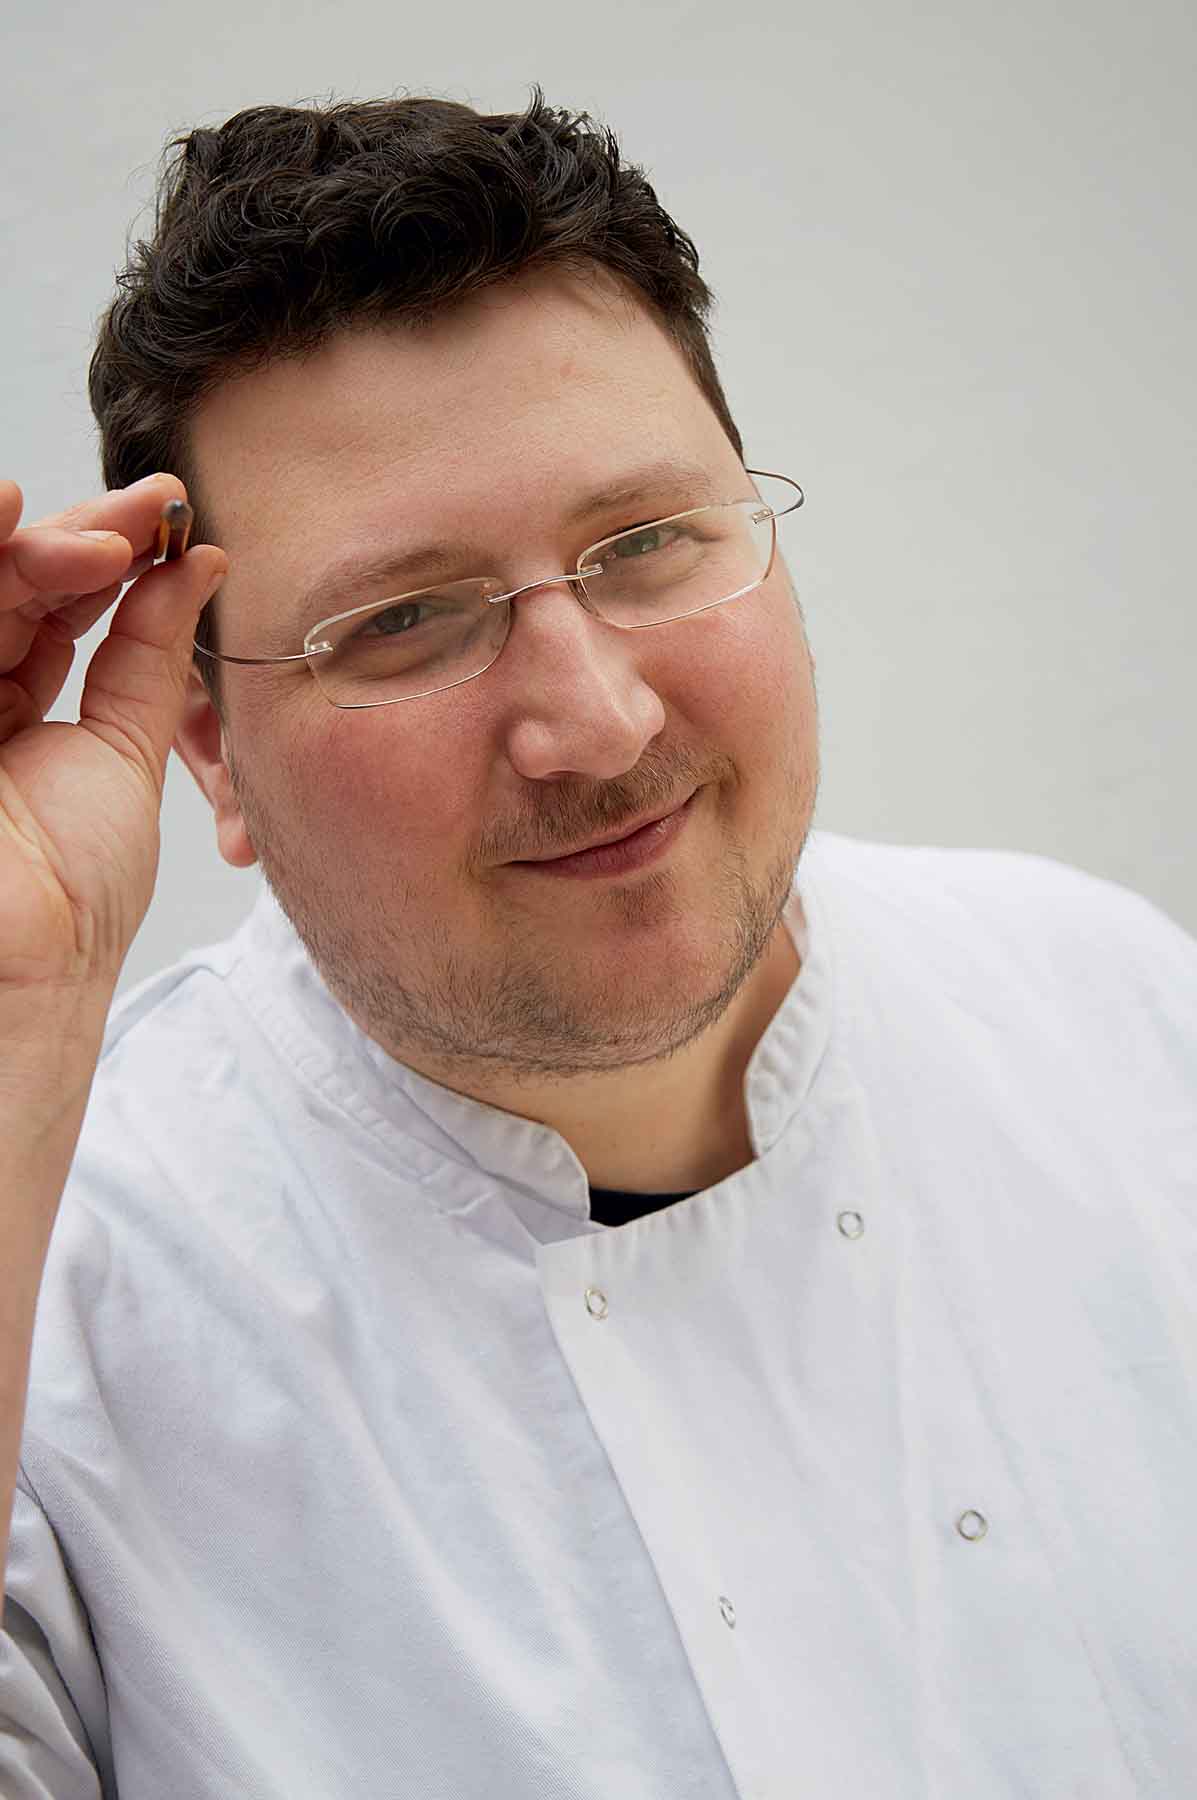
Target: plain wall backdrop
(953,254)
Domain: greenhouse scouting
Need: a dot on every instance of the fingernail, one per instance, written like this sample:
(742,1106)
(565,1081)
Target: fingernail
(98,534)
(146,479)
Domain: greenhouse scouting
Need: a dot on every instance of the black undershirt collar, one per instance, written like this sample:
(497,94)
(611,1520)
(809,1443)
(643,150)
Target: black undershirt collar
(612,1206)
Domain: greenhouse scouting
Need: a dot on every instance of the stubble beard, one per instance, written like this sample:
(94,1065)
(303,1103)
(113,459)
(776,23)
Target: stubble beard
(513,1012)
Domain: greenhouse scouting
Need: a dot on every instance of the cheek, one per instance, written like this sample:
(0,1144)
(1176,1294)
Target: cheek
(741,674)
(384,785)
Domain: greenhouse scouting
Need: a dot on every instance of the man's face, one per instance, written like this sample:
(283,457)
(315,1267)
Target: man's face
(395,837)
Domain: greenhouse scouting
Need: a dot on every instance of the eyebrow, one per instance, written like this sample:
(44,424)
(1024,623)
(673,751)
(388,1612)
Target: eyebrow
(671,481)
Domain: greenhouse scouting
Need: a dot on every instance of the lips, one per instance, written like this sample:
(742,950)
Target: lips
(613,837)
(616,858)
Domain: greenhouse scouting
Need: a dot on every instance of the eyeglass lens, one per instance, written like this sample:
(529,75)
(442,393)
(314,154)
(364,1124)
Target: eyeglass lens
(428,641)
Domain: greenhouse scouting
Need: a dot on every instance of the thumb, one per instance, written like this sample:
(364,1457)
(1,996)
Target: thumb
(135,684)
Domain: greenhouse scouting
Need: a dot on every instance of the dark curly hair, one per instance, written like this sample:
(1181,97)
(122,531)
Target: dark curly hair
(288,224)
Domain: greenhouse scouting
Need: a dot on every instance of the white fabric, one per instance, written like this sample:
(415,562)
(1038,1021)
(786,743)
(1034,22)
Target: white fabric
(360,1462)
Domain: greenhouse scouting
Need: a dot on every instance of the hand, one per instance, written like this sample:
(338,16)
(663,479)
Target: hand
(79,804)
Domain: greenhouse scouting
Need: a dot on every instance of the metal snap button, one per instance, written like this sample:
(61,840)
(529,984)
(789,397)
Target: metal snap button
(972,1525)
(596,1303)
(851,1224)
(728,1611)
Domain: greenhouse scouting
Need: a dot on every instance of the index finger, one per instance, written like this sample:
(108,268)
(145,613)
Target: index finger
(133,511)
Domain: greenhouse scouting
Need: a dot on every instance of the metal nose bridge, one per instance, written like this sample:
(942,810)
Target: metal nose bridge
(547,581)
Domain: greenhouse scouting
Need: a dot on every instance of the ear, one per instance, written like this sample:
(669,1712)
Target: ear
(201,743)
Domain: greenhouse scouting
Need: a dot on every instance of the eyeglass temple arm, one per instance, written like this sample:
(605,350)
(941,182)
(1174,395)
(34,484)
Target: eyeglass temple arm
(779,512)
(250,661)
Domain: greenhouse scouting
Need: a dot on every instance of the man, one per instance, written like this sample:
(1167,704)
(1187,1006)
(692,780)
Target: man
(595,1290)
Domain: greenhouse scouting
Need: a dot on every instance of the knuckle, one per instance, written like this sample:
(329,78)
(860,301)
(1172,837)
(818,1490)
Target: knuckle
(17,710)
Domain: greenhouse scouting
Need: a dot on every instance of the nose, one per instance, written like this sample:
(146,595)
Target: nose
(574,699)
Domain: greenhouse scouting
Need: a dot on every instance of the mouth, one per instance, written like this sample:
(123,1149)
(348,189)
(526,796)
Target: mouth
(620,853)
(612,837)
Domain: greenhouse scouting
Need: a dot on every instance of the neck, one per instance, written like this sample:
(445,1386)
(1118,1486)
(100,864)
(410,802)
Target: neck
(673,1126)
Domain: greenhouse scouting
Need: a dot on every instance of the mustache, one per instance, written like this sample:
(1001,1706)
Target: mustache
(568,813)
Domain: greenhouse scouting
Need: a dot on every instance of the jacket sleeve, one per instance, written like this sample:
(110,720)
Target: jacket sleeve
(54,1742)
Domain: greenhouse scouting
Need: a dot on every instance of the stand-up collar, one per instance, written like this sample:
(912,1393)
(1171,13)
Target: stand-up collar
(430,1125)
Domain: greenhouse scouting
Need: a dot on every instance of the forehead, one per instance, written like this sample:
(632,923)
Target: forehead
(507,406)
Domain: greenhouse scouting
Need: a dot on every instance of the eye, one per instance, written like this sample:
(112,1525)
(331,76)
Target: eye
(646,540)
(394,620)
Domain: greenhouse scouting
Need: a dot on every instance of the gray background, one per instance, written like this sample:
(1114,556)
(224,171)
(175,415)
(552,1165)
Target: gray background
(953,253)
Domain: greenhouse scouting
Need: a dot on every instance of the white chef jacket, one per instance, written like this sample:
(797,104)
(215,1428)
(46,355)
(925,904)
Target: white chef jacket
(361,1462)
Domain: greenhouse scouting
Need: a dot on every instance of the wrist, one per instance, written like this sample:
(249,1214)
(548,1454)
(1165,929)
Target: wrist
(50,1042)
